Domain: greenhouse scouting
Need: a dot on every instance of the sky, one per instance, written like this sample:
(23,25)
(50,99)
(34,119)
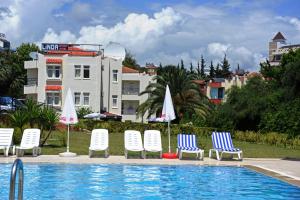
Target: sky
(158,31)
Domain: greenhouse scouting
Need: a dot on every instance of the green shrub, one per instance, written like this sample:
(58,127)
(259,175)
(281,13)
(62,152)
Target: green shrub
(81,112)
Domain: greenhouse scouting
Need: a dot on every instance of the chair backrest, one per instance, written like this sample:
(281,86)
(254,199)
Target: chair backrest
(99,138)
(31,138)
(222,140)
(185,140)
(152,140)
(6,135)
(133,139)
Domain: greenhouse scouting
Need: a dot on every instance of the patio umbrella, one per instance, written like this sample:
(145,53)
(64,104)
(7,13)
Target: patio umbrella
(68,117)
(168,113)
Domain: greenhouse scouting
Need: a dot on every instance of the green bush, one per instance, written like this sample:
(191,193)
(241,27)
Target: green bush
(81,112)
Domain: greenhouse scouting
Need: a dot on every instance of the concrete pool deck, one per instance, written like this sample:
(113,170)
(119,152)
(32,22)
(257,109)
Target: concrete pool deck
(286,170)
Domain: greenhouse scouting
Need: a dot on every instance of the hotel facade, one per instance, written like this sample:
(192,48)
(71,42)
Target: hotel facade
(97,82)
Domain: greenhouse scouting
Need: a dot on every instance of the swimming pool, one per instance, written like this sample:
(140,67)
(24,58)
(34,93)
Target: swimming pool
(71,181)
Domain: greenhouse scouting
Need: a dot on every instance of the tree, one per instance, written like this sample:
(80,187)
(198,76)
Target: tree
(181,64)
(191,68)
(198,69)
(130,61)
(12,72)
(187,98)
(202,71)
(225,72)
(218,72)
(211,70)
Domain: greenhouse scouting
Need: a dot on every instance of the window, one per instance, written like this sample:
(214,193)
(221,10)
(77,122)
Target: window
(53,98)
(86,98)
(77,71)
(115,75)
(77,98)
(86,71)
(115,101)
(53,72)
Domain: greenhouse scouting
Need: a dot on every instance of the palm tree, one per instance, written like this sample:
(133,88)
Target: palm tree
(186,96)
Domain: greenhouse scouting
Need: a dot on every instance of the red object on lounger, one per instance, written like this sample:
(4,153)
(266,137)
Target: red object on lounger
(169,155)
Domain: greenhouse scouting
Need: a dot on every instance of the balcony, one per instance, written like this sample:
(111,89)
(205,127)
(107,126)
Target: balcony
(31,87)
(130,88)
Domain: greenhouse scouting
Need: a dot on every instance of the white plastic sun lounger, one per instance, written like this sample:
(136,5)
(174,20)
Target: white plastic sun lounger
(6,135)
(152,141)
(188,144)
(222,143)
(99,141)
(30,140)
(133,142)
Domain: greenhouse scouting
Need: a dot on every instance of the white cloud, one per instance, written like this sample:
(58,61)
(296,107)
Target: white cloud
(138,31)
(217,49)
(183,31)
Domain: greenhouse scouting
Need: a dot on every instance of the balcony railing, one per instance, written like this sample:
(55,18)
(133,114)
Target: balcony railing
(32,81)
(130,90)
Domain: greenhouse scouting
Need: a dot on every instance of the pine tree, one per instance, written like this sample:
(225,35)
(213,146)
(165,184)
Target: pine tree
(198,69)
(191,69)
(202,72)
(211,70)
(181,64)
(225,68)
(218,71)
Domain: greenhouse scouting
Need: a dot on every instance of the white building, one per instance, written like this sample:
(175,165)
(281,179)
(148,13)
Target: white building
(65,66)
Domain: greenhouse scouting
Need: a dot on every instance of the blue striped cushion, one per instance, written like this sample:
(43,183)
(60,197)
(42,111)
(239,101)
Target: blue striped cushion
(187,142)
(223,141)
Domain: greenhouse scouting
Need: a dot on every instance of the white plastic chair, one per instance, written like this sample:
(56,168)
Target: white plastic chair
(30,140)
(6,135)
(99,141)
(133,142)
(152,141)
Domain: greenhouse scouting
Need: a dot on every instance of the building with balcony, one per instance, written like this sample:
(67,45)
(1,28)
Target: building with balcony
(277,47)
(97,82)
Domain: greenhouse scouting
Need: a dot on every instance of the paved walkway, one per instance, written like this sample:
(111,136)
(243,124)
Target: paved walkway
(283,169)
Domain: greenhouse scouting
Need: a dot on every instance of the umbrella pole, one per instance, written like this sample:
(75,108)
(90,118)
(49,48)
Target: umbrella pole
(169,136)
(68,138)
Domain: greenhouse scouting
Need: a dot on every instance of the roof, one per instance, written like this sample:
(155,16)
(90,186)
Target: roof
(129,70)
(54,60)
(279,36)
(201,82)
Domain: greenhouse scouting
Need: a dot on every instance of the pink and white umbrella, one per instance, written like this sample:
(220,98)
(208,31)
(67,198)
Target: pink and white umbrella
(68,116)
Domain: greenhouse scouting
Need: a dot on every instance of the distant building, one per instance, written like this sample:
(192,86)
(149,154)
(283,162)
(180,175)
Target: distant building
(277,47)
(97,82)
(4,44)
(215,89)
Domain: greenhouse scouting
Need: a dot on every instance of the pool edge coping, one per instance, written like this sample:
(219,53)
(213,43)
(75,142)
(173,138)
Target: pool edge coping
(275,174)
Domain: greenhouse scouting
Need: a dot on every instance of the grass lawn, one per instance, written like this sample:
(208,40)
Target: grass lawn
(80,141)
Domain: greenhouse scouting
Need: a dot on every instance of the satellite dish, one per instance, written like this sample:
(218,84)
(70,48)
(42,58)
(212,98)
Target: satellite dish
(115,50)
(34,55)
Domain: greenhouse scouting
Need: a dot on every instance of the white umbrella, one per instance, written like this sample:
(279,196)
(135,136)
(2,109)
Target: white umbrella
(168,113)
(68,117)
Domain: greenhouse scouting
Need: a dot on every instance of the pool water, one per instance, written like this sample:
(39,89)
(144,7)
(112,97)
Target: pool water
(66,181)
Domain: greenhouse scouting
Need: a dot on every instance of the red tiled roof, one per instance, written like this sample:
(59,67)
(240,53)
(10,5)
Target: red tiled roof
(53,87)
(279,36)
(201,82)
(54,60)
(129,70)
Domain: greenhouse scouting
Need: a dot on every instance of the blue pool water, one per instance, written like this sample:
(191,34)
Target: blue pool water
(58,181)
